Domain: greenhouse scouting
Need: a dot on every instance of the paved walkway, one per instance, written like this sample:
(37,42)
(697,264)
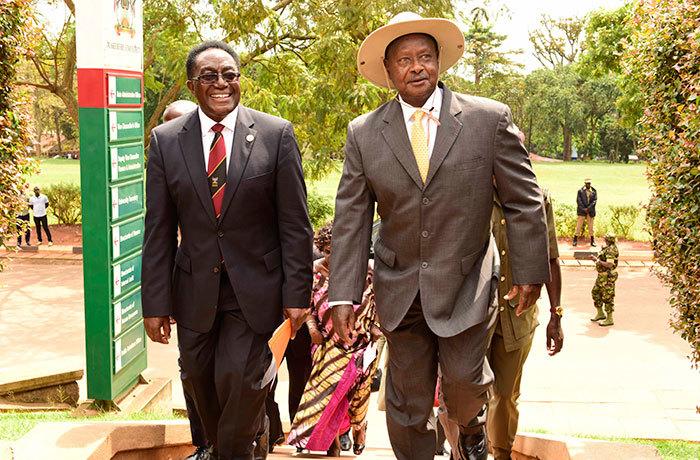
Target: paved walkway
(631,380)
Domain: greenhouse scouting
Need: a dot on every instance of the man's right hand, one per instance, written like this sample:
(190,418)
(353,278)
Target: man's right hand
(157,328)
(343,317)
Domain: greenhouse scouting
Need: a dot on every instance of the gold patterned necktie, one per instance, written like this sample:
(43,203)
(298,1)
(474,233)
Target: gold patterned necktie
(419,143)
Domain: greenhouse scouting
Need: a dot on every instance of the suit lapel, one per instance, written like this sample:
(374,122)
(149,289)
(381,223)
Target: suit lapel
(396,136)
(447,132)
(243,139)
(190,139)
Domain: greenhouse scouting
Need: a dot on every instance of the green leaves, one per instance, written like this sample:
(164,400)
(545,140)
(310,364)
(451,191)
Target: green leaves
(15,165)
(662,60)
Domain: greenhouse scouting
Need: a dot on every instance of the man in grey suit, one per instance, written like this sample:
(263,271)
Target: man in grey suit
(427,159)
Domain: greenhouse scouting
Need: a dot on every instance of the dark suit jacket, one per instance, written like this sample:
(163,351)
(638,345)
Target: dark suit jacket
(583,203)
(434,238)
(263,235)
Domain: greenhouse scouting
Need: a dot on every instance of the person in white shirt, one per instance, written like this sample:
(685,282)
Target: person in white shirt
(39,204)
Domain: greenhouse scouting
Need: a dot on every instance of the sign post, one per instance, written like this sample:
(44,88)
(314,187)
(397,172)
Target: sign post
(109,42)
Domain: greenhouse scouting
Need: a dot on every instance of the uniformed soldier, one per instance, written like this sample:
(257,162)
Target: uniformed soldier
(603,292)
(512,340)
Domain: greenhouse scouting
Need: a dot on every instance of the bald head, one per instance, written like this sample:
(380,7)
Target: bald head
(178,108)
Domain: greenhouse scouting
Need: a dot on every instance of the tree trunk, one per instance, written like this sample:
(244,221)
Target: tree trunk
(529,134)
(57,125)
(567,143)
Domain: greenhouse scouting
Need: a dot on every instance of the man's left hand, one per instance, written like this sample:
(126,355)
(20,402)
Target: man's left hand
(555,335)
(529,293)
(297,317)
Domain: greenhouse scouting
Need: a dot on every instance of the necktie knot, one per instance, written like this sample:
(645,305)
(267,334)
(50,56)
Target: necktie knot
(217,128)
(418,115)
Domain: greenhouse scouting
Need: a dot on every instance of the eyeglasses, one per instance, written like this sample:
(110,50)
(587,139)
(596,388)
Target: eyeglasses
(212,77)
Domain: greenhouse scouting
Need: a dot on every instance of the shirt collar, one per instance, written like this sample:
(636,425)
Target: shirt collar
(229,121)
(434,102)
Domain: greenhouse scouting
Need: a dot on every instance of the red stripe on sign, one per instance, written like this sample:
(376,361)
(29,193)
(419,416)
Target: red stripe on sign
(92,87)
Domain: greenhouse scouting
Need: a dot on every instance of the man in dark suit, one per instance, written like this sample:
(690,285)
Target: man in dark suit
(427,158)
(230,179)
(586,199)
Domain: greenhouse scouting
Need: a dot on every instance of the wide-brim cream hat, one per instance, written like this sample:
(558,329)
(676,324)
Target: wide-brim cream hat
(370,57)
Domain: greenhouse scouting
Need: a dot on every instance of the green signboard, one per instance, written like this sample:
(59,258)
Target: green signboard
(123,90)
(127,200)
(127,312)
(127,237)
(110,101)
(126,161)
(128,347)
(125,125)
(126,275)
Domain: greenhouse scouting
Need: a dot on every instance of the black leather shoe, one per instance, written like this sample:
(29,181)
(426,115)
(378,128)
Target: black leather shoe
(473,447)
(202,453)
(262,442)
(345,442)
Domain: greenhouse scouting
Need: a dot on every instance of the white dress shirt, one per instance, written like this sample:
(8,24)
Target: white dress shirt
(206,123)
(431,106)
(430,125)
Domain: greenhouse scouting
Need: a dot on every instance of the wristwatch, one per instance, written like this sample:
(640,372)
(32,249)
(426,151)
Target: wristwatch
(558,310)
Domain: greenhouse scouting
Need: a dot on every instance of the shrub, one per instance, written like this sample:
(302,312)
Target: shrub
(662,60)
(15,165)
(64,199)
(622,219)
(320,209)
(565,219)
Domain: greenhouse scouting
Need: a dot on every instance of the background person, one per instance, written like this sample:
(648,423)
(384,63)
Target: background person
(512,339)
(603,292)
(586,199)
(337,394)
(230,180)
(23,220)
(426,159)
(199,441)
(39,204)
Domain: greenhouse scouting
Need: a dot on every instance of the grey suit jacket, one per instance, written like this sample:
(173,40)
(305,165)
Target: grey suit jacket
(434,238)
(263,234)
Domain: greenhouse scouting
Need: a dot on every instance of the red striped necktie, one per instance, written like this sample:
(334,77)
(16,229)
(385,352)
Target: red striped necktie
(216,168)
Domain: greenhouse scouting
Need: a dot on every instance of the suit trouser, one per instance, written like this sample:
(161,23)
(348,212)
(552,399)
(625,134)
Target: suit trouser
(196,428)
(223,371)
(39,222)
(27,231)
(415,352)
(503,414)
(579,225)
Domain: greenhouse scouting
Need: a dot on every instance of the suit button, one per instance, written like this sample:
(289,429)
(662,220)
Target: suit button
(501,309)
(503,221)
(503,278)
(424,265)
(503,252)
(214,307)
(221,234)
(426,200)
(424,233)
(215,269)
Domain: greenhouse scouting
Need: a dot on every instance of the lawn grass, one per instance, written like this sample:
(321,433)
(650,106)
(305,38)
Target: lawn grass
(54,171)
(14,425)
(617,184)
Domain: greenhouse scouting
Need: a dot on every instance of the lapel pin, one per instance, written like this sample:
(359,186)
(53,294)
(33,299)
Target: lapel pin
(249,138)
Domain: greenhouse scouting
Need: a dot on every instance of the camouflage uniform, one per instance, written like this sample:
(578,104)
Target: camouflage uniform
(603,292)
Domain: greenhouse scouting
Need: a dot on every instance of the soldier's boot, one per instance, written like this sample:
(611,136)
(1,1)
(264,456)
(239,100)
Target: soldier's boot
(599,314)
(575,240)
(593,241)
(608,321)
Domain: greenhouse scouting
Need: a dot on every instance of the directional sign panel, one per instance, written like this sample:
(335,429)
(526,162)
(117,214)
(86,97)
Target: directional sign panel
(110,99)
